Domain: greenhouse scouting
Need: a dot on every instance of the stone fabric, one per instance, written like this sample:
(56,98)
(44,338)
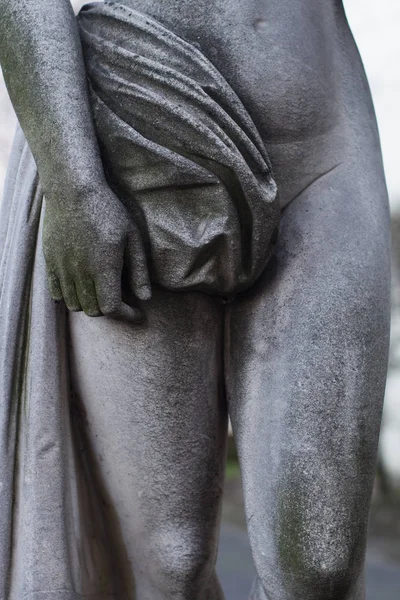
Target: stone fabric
(210,218)
(39,488)
(112,434)
(196,174)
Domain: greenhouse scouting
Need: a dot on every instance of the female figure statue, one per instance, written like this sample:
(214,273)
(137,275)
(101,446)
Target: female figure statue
(145,294)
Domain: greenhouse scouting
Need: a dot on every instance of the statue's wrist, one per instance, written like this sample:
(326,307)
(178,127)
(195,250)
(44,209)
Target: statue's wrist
(74,186)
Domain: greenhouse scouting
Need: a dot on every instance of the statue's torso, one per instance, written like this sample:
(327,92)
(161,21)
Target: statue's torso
(282,58)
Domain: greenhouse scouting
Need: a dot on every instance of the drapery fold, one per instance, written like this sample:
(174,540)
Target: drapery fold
(54,543)
(181,151)
(184,156)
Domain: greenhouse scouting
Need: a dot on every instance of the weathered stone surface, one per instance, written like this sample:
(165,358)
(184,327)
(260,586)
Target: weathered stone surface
(113,433)
(236,570)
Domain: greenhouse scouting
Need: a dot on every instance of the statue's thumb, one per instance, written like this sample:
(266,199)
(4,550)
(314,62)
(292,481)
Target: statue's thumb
(137,267)
(128,313)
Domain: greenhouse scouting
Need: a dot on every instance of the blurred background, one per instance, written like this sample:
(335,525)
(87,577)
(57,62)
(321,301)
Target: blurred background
(375,25)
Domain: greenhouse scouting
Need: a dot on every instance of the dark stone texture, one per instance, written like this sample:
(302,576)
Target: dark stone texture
(236,570)
(113,429)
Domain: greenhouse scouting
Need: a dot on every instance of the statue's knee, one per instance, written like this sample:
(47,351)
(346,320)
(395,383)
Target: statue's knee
(327,580)
(322,577)
(307,566)
(316,584)
(183,562)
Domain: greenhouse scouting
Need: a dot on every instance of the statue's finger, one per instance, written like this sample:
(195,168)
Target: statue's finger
(54,286)
(69,294)
(109,298)
(127,313)
(108,292)
(136,262)
(87,296)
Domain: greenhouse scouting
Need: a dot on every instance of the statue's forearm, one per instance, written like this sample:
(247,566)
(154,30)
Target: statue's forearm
(41,57)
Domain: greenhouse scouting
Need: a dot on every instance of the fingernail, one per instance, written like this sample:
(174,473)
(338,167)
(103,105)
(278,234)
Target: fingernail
(144,293)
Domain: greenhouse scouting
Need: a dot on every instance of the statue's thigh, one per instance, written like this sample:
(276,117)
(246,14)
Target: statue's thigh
(156,421)
(306,372)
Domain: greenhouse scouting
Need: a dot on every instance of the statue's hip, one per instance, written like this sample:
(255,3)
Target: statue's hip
(182,153)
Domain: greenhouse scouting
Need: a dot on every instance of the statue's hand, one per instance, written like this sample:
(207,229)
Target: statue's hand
(87,238)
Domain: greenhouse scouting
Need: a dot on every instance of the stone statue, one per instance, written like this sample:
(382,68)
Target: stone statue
(154,138)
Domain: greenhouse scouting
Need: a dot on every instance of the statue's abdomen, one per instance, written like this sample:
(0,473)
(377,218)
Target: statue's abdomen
(181,151)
